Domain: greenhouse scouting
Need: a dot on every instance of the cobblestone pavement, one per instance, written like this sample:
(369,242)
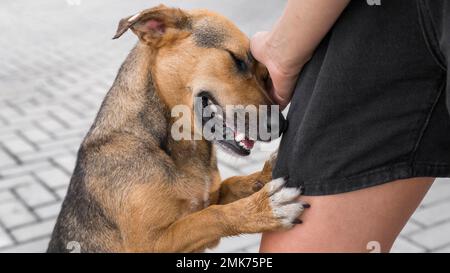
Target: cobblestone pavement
(58,61)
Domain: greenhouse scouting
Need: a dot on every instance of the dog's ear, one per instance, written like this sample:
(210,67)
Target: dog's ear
(156,24)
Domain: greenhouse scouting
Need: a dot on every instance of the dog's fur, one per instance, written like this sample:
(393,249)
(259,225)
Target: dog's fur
(135,189)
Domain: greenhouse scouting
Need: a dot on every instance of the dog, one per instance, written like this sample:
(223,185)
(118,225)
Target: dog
(135,188)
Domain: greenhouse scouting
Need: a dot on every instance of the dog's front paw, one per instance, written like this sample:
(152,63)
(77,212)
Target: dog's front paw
(277,207)
(284,202)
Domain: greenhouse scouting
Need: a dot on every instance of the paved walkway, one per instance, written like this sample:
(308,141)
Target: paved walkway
(58,60)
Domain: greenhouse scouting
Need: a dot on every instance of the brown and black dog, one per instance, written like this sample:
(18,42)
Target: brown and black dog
(136,189)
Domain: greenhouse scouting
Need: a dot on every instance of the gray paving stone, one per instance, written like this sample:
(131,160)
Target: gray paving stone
(35,135)
(65,115)
(25,168)
(434,214)
(17,145)
(37,230)
(14,213)
(6,196)
(62,191)
(48,211)
(9,113)
(410,227)
(50,124)
(443,250)
(66,161)
(434,237)
(35,194)
(35,246)
(237,242)
(5,239)
(252,249)
(53,177)
(226,171)
(44,154)
(404,246)
(440,192)
(56,145)
(10,183)
(6,160)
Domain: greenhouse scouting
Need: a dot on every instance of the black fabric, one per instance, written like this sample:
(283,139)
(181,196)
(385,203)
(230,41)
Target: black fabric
(372,104)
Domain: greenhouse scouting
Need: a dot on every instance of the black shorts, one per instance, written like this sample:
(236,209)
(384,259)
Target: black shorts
(372,105)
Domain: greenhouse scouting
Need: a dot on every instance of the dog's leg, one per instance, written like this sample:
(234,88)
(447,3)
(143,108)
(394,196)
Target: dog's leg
(272,208)
(238,187)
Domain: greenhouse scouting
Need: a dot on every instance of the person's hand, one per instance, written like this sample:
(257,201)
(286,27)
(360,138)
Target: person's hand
(292,41)
(283,76)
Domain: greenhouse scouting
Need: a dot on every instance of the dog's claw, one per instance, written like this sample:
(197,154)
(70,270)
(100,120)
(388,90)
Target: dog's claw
(257,186)
(306,205)
(301,189)
(297,222)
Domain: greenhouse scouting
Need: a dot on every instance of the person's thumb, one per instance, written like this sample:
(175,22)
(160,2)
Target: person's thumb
(257,43)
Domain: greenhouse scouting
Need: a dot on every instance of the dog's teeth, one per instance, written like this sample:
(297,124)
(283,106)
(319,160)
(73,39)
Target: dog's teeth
(239,137)
(245,147)
(242,144)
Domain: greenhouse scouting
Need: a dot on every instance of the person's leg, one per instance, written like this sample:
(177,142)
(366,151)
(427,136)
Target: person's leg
(348,222)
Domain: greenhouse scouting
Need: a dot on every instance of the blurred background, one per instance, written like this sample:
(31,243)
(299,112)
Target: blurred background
(57,63)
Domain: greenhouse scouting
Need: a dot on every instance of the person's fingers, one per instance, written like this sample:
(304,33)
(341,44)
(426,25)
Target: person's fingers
(279,90)
(281,85)
(272,93)
(279,99)
(257,43)
(283,88)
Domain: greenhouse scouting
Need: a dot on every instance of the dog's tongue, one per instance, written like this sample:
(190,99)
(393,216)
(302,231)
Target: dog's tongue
(248,143)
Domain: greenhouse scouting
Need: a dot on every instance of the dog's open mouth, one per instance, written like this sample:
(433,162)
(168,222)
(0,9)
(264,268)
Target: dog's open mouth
(230,140)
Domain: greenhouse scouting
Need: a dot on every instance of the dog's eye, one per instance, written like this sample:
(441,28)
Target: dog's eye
(239,63)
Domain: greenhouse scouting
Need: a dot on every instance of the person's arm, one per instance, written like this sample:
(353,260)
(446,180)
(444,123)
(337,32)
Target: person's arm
(292,41)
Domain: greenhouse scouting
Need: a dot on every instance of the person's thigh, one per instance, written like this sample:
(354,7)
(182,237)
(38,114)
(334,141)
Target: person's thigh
(348,222)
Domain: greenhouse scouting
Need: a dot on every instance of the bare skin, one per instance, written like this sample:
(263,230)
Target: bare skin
(373,214)
(289,45)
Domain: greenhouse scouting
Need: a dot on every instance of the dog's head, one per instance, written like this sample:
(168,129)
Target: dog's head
(203,60)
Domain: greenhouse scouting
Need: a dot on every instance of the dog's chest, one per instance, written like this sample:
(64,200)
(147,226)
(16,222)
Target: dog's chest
(201,198)
(205,192)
